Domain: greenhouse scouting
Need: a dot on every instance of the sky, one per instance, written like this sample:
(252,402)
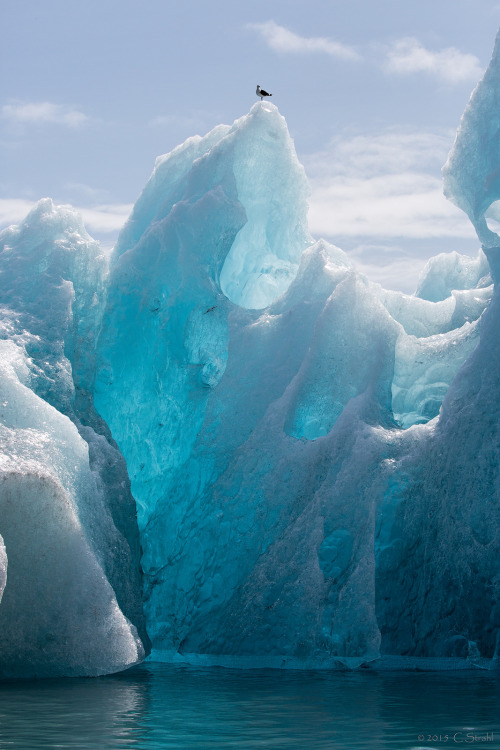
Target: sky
(92,91)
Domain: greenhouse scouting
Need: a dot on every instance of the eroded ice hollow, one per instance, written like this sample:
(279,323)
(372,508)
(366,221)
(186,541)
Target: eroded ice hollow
(252,167)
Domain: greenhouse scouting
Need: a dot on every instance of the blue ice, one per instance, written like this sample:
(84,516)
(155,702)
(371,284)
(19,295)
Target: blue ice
(313,460)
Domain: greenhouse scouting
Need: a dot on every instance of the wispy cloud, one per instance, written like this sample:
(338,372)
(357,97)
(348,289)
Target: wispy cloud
(383,186)
(408,56)
(281,39)
(24,113)
(166,121)
(405,56)
(106,218)
(13,210)
(379,197)
(392,267)
(194,121)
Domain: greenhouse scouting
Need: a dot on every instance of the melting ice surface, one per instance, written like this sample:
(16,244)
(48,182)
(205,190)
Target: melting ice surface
(69,568)
(314,460)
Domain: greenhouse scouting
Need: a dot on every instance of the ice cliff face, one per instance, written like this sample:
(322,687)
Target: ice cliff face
(315,460)
(70,561)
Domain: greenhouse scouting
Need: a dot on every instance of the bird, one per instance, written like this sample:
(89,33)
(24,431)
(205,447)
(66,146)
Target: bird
(260,92)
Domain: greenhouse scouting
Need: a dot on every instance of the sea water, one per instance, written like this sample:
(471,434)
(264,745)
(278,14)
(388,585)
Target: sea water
(156,706)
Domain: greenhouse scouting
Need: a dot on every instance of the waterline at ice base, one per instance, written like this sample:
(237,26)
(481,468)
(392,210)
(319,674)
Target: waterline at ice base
(226,446)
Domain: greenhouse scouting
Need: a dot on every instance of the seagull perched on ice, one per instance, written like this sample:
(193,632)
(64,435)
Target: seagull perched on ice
(260,92)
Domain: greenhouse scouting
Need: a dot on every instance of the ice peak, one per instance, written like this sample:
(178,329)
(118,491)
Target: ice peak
(272,187)
(45,218)
(472,172)
(253,165)
(266,108)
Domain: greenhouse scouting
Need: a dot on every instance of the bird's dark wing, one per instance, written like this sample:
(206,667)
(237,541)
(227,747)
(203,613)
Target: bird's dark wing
(264,93)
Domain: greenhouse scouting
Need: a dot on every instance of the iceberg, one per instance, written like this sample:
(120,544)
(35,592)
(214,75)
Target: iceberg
(59,614)
(70,554)
(229,446)
(277,439)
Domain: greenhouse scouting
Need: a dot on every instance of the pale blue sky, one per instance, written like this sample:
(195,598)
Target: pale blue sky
(91,92)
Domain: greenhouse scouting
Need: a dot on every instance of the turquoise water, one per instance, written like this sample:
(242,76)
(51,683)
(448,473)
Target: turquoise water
(158,707)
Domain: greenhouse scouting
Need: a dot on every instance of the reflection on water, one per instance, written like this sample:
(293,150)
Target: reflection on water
(161,707)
